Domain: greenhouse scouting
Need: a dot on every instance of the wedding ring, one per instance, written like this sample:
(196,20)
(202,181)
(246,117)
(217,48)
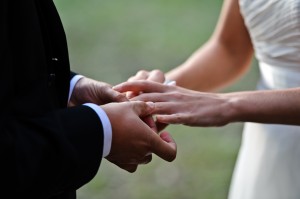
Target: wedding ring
(170,82)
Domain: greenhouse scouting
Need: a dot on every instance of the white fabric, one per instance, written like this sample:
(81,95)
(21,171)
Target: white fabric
(73,82)
(268,166)
(107,129)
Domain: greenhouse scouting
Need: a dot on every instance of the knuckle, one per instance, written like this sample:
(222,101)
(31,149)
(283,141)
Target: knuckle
(157,72)
(178,95)
(120,98)
(132,78)
(138,105)
(178,117)
(142,72)
(174,94)
(157,76)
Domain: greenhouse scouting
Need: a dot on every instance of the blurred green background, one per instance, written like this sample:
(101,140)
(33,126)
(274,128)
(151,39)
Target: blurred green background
(110,41)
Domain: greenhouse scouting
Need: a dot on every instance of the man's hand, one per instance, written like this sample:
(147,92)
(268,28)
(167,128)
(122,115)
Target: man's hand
(133,141)
(88,90)
(154,76)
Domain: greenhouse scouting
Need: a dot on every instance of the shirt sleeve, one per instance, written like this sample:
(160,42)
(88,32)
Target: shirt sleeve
(107,129)
(73,82)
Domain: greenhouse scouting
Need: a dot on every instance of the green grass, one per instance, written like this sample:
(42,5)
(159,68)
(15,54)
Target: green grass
(112,40)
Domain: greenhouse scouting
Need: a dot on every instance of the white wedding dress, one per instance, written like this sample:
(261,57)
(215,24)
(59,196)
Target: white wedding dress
(268,166)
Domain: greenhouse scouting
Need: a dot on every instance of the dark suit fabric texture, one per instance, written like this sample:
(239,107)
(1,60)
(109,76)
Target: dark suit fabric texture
(47,150)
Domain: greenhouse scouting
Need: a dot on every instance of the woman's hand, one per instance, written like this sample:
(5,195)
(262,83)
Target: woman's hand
(88,90)
(154,75)
(176,105)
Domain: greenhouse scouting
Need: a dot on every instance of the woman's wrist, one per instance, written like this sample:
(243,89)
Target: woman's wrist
(248,106)
(236,106)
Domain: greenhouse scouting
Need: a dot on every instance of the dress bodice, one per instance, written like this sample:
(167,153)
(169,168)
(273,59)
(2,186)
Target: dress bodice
(268,163)
(274,28)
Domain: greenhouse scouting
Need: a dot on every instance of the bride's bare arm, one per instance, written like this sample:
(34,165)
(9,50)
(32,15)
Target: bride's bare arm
(225,57)
(176,105)
(272,106)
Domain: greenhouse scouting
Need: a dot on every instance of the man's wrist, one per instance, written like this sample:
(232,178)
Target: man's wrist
(106,125)
(73,82)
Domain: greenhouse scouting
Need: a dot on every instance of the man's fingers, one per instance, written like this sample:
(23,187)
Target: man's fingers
(150,122)
(117,97)
(131,168)
(142,109)
(146,159)
(141,86)
(166,136)
(160,126)
(164,146)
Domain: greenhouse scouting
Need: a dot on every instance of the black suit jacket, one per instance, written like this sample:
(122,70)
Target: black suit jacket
(47,150)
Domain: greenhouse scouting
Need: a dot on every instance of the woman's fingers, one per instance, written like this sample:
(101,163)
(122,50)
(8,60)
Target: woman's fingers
(141,75)
(141,86)
(152,97)
(171,119)
(156,76)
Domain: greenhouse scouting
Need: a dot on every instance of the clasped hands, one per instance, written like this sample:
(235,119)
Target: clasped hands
(177,105)
(134,133)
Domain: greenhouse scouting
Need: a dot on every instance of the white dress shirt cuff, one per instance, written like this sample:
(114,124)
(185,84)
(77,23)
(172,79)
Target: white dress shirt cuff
(73,82)
(107,130)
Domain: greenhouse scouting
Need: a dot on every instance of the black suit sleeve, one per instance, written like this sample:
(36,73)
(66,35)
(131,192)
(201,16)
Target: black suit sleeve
(53,153)
(72,74)
(46,149)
